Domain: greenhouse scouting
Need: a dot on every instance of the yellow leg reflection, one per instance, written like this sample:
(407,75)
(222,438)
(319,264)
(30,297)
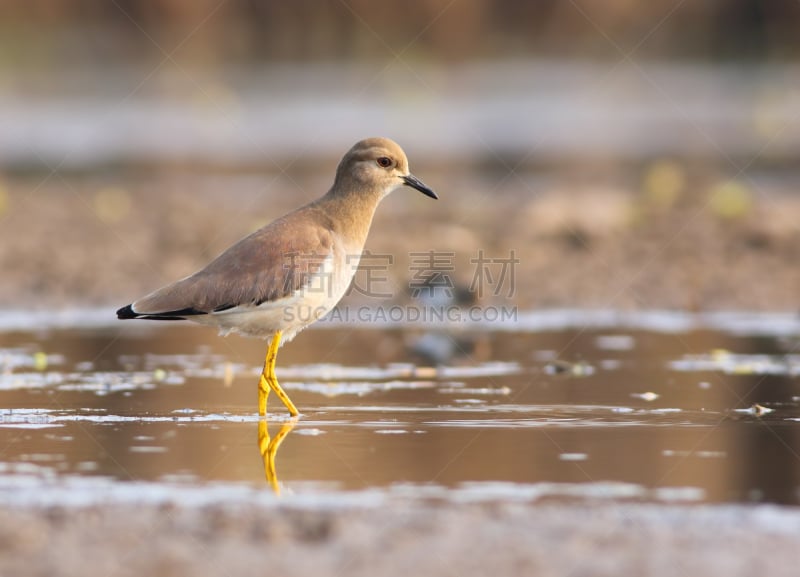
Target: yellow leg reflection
(269,448)
(269,381)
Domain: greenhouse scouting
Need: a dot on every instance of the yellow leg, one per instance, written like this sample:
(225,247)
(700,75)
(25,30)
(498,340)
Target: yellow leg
(269,449)
(269,381)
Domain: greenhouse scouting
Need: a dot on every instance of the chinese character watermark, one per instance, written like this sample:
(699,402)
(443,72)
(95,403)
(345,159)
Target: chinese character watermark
(307,271)
(371,279)
(430,273)
(494,273)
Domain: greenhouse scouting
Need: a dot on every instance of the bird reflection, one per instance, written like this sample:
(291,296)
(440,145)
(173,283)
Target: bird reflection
(268,447)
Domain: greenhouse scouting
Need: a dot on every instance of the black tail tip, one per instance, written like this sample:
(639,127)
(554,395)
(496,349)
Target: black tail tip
(127,312)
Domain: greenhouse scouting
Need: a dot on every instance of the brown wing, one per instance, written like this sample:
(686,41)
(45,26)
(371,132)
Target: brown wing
(271,263)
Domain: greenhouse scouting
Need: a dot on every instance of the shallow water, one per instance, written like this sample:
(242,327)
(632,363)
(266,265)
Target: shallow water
(653,406)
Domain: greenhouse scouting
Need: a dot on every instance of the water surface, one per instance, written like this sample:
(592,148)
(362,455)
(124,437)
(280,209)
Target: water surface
(652,406)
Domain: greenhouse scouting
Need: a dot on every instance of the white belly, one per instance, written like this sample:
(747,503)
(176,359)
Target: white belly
(292,313)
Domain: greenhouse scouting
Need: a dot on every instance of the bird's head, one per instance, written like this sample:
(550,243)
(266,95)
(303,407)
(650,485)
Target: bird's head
(377,166)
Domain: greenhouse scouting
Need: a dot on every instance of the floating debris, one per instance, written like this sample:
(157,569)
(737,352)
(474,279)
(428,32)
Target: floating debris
(461,390)
(739,364)
(99,382)
(648,396)
(756,410)
(40,361)
(310,432)
(610,364)
(22,358)
(699,454)
(615,342)
(490,369)
(147,449)
(358,388)
(578,369)
(573,457)
(425,372)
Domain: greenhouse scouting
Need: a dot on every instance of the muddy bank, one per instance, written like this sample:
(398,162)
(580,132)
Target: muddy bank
(656,238)
(595,540)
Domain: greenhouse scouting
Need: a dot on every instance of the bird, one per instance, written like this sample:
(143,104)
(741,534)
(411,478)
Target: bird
(288,274)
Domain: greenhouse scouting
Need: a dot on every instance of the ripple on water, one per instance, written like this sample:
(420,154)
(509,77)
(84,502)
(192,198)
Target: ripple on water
(739,364)
(506,429)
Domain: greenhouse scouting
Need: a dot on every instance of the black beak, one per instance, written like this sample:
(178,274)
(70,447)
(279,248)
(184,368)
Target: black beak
(414,182)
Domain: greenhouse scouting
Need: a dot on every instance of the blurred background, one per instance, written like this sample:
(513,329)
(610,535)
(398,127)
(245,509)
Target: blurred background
(625,155)
(632,154)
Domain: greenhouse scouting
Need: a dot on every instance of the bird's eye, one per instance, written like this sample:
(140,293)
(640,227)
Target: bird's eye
(384,162)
